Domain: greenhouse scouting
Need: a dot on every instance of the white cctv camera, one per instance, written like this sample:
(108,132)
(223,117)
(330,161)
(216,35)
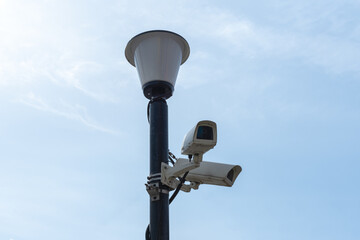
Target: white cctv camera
(214,174)
(199,173)
(200,139)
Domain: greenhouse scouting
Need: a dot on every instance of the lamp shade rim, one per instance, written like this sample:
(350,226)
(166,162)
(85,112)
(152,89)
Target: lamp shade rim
(135,41)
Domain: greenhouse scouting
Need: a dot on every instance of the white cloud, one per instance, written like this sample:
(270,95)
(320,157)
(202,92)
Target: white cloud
(335,54)
(74,112)
(306,33)
(79,75)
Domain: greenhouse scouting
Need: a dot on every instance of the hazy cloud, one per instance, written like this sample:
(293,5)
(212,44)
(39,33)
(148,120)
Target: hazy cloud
(74,112)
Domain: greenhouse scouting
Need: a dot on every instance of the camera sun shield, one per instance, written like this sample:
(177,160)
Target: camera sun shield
(200,139)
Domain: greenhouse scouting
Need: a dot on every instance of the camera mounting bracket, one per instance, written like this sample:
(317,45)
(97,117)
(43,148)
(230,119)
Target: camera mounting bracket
(154,187)
(181,166)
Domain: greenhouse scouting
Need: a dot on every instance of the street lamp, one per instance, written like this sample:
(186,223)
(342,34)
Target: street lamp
(157,56)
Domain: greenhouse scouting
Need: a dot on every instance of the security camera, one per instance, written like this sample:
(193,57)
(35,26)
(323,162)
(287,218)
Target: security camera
(211,173)
(214,174)
(200,139)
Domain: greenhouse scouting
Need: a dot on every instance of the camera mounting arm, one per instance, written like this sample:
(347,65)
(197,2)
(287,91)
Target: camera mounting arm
(181,166)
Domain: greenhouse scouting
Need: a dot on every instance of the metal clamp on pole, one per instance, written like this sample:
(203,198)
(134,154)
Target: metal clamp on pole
(154,187)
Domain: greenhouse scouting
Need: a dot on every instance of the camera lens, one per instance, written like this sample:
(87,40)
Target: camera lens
(205,132)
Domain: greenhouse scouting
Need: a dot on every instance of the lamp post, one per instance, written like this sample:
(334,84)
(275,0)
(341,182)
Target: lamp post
(157,56)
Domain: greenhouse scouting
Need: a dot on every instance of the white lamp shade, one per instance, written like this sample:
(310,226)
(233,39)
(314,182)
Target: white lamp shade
(157,56)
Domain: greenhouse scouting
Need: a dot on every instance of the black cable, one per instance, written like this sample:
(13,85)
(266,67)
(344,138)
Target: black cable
(182,180)
(148,106)
(148,111)
(171,160)
(147,233)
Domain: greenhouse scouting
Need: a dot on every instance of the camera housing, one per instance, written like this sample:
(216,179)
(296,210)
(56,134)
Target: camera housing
(211,173)
(200,139)
(214,174)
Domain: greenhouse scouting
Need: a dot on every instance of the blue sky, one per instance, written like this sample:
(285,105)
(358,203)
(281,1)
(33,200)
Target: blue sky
(280,78)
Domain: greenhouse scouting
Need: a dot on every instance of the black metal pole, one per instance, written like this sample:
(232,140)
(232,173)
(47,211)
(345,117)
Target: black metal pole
(159,208)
